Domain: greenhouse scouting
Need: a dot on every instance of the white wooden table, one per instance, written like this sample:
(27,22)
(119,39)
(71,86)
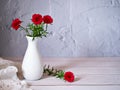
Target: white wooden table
(91,74)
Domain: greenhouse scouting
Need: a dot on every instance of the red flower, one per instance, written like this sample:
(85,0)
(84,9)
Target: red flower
(16,23)
(37,19)
(69,76)
(47,19)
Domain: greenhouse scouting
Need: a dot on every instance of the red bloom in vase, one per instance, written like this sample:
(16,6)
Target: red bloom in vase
(16,23)
(47,19)
(37,19)
(69,76)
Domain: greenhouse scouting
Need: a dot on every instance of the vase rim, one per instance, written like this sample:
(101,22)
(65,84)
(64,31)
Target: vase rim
(28,37)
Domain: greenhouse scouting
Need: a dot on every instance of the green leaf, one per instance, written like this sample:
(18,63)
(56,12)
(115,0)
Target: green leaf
(60,74)
(36,30)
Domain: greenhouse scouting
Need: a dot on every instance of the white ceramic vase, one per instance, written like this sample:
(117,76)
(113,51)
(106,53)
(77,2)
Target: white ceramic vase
(32,66)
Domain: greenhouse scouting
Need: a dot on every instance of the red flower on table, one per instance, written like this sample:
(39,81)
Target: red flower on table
(47,19)
(69,76)
(37,19)
(16,23)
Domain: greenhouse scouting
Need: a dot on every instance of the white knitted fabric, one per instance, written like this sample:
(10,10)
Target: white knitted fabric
(10,75)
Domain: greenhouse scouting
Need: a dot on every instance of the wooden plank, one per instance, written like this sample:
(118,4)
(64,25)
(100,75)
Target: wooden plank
(73,59)
(79,62)
(94,70)
(75,87)
(80,80)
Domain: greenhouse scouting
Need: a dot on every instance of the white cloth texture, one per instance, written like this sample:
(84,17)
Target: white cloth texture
(11,76)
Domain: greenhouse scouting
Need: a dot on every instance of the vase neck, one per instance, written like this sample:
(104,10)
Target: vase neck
(30,39)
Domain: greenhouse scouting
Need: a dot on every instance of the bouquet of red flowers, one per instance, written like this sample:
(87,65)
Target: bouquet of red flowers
(38,27)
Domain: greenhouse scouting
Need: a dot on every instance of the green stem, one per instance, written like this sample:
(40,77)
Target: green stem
(53,72)
(25,30)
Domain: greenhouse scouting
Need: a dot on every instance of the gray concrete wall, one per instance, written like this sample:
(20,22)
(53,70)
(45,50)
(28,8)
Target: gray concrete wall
(80,28)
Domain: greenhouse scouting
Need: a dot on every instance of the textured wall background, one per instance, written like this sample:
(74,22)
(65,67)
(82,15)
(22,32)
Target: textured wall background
(81,27)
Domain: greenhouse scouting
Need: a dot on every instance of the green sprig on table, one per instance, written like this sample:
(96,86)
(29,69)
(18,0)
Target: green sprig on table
(53,72)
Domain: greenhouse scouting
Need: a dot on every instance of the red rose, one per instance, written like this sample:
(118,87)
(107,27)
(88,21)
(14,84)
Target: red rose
(47,19)
(37,19)
(69,76)
(16,23)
